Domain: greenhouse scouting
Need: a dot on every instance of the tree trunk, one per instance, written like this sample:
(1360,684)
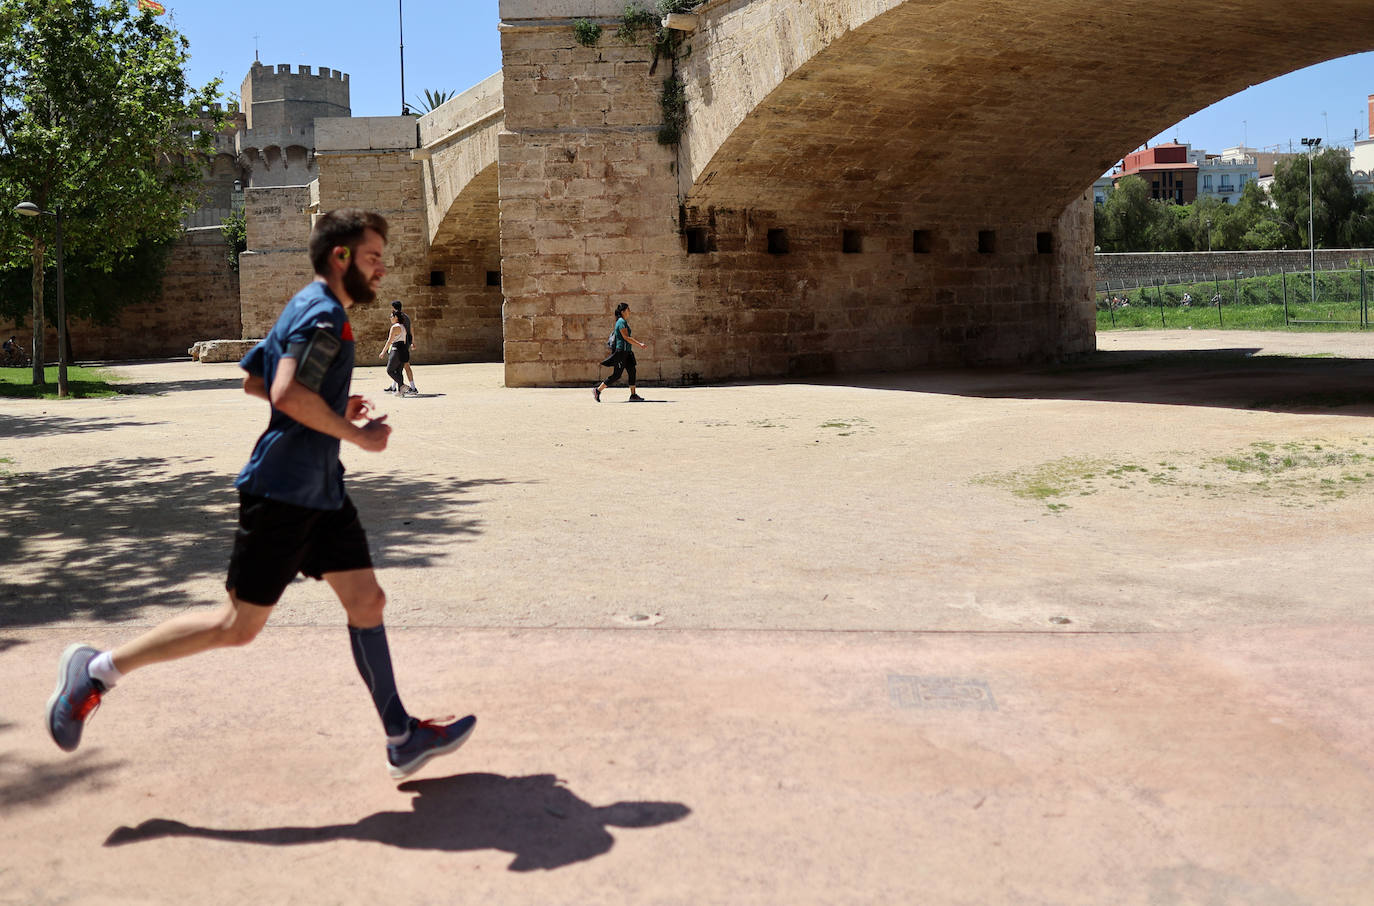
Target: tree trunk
(38,321)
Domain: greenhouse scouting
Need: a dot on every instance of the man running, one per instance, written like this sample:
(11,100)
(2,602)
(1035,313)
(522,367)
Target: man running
(294,514)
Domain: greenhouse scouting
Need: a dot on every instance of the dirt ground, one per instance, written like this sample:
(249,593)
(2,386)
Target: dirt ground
(1185,515)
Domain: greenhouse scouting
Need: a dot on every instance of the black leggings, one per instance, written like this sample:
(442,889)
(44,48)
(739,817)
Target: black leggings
(395,363)
(625,363)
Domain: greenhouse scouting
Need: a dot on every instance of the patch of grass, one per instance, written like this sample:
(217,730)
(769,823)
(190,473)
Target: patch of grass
(1296,473)
(1049,480)
(84,383)
(848,426)
(1241,317)
(1264,458)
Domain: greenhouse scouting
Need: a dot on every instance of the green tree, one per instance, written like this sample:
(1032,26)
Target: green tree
(1131,221)
(1204,224)
(1333,198)
(97,119)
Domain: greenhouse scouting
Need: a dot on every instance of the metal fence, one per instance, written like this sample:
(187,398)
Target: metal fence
(1336,296)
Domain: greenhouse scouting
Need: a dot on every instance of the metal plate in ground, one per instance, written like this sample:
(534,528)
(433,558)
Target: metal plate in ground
(940,693)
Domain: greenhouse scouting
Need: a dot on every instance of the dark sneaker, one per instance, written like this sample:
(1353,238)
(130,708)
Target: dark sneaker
(75,698)
(636,398)
(596,394)
(413,389)
(390,388)
(428,738)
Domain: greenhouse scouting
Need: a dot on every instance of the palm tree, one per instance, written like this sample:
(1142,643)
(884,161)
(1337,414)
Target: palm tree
(432,100)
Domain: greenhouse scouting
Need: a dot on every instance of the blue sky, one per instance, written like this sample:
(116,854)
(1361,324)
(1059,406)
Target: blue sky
(453,44)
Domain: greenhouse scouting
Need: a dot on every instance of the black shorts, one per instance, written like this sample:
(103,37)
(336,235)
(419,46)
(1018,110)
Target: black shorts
(403,349)
(276,540)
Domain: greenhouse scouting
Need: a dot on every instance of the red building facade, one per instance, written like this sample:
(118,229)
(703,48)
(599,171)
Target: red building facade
(1167,169)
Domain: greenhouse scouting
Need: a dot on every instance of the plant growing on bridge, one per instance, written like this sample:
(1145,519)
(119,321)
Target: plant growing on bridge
(673,101)
(666,41)
(96,117)
(637,18)
(587,32)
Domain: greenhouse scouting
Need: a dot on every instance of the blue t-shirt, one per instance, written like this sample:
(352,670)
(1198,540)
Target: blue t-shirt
(620,341)
(292,463)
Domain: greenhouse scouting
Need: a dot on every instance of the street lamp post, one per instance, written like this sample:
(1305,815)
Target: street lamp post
(401,27)
(29,209)
(1209,233)
(1311,144)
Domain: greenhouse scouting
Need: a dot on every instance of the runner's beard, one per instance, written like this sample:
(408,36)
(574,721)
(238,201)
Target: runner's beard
(357,286)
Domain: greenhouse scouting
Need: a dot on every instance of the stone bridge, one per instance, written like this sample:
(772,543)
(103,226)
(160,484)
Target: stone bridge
(861,185)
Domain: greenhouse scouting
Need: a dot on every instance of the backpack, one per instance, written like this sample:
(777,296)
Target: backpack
(610,341)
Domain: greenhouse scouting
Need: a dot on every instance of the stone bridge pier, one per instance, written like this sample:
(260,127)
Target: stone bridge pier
(861,185)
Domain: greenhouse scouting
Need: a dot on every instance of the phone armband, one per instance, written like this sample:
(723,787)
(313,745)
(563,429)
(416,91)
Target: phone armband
(315,357)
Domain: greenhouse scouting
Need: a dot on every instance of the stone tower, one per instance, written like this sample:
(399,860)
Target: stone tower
(277,145)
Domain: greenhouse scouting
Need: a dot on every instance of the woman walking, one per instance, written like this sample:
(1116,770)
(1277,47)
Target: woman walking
(395,363)
(622,357)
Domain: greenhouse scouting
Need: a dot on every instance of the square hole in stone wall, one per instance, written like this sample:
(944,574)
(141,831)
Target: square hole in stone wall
(922,242)
(493,278)
(696,241)
(852,241)
(436,278)
(1044,243)
(777,242)
(987,242)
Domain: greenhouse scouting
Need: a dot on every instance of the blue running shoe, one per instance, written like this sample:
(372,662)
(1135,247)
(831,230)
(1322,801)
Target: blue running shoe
(75,698)
(428,738)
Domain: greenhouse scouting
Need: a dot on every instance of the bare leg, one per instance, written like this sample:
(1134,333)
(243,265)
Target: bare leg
(362,598)
(410,375)
(233,623)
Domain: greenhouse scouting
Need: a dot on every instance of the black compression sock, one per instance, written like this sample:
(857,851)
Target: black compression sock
(373,657)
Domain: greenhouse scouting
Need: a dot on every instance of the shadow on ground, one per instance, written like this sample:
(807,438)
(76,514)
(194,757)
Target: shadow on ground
(99,542)
(536,819)
(16,428)
(34,784)
(162,388)
(1224,378)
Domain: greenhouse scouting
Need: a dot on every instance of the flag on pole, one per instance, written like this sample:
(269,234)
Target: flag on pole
(156,8)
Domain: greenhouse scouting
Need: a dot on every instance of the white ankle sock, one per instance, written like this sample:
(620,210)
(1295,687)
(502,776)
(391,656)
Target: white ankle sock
(102,668)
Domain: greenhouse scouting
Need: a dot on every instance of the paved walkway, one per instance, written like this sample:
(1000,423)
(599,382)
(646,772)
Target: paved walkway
(1088,635)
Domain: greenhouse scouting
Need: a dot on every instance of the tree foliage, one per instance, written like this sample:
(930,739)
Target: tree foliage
(97,118)
(1131,221)
(433,100)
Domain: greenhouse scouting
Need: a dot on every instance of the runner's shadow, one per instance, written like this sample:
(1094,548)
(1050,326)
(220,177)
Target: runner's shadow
(537,819)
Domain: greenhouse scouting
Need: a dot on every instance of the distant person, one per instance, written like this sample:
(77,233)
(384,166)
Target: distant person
(294,514)
(1216,300)
(1187,300)
(410,346)
(622,357)
(12,352)
(395,349)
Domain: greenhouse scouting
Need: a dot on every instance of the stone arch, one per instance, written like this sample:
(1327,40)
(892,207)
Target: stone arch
(925,166)
(952,96)
(465,267)
(458,150)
